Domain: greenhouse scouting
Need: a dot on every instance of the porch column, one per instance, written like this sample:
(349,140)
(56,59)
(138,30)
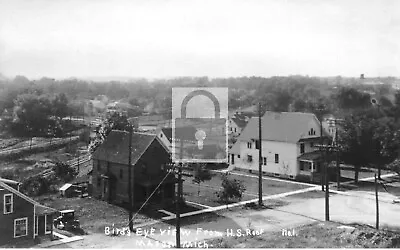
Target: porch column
(52,227)
(312,167)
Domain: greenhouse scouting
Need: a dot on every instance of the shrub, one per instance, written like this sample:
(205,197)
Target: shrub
(231,189)
(64,172)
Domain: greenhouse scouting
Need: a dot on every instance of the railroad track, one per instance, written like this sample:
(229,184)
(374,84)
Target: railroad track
(54,142)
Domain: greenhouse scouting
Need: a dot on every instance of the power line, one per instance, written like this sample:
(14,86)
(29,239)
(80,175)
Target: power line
(149,196)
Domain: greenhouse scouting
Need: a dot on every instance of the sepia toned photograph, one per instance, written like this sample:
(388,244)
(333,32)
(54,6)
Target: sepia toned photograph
(152,124)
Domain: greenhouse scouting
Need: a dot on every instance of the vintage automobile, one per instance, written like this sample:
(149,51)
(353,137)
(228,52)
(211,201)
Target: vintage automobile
(66,220)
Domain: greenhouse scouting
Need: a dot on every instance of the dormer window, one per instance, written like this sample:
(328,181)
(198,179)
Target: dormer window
(8,204)
(311,132)
(249,145)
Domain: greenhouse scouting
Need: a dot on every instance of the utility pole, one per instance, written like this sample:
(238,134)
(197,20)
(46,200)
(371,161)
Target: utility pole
(337,149)
(337,161)
(260,160)
(375,102)
(178,198)
(130,181)
(326,191)
(322,162)
(324,149)
(377,202)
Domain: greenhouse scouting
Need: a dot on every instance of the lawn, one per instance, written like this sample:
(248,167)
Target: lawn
(94,215)
(208,189)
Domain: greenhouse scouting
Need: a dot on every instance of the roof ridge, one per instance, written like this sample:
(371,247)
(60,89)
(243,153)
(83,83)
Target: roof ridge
(144,151)
(25,197)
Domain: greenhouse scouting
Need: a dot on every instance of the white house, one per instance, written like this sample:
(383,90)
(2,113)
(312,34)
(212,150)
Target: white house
(238,122)
(288,145)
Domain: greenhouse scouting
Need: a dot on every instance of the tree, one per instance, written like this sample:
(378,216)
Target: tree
(200,174)
(60,106)
(64,172)
(357,146)
(350,98)
(231,189)
(32,114)
(394,166)
(115,121)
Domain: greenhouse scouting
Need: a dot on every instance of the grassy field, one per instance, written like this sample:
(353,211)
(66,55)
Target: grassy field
(94,215)
(208,189)
(316,235)
(34,163)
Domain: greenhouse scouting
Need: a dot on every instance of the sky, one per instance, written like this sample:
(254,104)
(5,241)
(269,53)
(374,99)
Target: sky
(214,38)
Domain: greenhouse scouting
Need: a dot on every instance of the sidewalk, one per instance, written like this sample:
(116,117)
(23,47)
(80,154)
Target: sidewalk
(64,239)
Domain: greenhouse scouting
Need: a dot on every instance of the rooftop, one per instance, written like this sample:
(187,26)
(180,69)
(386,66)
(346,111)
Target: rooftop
(115,148)
(283,126)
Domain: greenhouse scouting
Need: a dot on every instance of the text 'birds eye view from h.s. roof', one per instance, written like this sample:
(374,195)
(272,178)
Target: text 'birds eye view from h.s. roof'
(199,124)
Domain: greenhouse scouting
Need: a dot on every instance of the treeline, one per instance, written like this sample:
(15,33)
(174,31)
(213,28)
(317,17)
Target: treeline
(30,101)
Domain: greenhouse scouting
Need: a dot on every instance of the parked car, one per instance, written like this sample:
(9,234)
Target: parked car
(66,220)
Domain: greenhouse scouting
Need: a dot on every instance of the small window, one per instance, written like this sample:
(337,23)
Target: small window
(264,160)
(249,158)
(20,227)
(276,158)
(302,166)
(249,145)
(161,135)
(291,176)
(257,144)
(235,130)
(8,204)
(121,173)
(301,148)
(238,156)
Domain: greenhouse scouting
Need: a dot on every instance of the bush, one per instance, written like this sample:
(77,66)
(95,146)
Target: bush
(64,172)
(231,189)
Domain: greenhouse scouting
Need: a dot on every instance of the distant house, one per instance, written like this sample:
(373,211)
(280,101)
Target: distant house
(238,121)
(149,159)
(288,141)
(22,219)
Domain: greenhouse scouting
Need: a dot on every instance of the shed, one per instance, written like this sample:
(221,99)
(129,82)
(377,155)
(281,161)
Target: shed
(67,190)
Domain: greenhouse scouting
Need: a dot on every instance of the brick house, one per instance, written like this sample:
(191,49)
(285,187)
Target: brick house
(149,159)
(288,146)
(22,219)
